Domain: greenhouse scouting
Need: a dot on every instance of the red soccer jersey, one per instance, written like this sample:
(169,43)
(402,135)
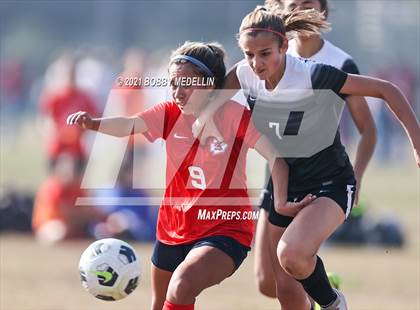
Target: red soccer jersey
(203,179)
(59,106)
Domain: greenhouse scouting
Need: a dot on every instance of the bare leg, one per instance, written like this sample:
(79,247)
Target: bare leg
(290,292)
(263,267)
(160,282)
(202,268)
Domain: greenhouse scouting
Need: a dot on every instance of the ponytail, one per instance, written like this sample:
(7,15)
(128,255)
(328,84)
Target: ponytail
(282,23)
(306,22)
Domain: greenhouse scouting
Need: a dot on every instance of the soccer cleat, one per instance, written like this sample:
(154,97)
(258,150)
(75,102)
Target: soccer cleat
(340,303)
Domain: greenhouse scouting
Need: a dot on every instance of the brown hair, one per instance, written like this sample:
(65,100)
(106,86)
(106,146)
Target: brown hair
(280,4)
(307,22)
(210,54)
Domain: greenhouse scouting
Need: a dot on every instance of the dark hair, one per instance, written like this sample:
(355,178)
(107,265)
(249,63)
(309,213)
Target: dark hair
(307,22)
(210,54)
(279,3)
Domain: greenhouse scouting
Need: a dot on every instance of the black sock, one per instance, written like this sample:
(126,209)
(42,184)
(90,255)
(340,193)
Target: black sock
(317,285)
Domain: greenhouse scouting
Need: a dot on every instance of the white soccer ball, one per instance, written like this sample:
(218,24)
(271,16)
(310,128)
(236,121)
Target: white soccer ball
(109,269)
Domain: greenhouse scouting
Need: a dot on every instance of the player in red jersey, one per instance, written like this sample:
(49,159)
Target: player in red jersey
(204,228)
(57,104)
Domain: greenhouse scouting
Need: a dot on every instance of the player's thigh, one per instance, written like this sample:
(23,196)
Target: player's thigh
(313,225)
(210,263)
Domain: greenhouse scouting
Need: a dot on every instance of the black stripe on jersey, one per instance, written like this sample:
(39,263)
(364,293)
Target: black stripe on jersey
(327,77)
(293,123)
(349,66)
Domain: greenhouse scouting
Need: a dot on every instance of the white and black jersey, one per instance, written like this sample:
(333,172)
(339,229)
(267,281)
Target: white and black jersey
(329,54)
(300,116)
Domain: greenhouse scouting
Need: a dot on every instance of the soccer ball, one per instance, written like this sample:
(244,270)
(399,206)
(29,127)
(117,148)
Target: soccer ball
(109,269)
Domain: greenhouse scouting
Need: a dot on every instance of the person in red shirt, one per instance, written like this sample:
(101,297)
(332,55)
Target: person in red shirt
(57,104)
(204,225)
(55,216)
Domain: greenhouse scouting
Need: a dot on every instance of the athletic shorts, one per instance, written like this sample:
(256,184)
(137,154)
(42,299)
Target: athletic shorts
(168,257)
(267,197)
(342,193)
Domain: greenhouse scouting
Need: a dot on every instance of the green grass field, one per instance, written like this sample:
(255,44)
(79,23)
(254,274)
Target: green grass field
(38,277)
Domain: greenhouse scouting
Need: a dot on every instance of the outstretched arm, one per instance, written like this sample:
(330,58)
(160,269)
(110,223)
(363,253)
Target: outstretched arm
(360,85)
(114,126)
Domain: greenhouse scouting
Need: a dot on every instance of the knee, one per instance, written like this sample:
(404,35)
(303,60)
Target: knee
(292,259)
(180,289)
(266,285)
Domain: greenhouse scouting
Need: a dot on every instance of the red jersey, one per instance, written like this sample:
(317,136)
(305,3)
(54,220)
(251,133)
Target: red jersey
(59,106)
(203,179)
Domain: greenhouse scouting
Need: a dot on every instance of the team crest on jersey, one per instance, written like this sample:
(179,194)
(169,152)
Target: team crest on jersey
(217,147)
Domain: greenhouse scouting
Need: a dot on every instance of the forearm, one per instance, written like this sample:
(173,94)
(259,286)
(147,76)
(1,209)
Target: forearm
(219,100)
(363,119)
(230,88)
(280,177)
(278,168)
(364,153)
(115,126)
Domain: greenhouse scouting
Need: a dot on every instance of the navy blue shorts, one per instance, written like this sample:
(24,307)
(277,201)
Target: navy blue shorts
(342,194)
(168,257)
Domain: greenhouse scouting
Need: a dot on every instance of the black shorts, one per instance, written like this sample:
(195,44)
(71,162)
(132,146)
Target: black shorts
(342,193)
(168,257)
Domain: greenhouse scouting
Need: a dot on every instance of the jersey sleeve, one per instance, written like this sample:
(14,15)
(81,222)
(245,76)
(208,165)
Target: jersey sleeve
(155,118)
(349,66)
(327,77)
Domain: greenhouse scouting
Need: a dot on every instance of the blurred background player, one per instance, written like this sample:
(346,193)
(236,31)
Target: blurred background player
(55,216)
(63,96)
(316,48)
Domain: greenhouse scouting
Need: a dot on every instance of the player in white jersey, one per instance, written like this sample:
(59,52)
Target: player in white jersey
(285,92)
(318,49)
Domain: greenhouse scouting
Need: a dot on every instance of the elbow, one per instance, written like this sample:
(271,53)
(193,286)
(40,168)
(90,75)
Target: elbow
(388,88)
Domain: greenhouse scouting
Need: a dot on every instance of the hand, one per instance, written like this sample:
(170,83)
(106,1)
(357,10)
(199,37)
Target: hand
(204,130)
(81,118)
(293,208)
